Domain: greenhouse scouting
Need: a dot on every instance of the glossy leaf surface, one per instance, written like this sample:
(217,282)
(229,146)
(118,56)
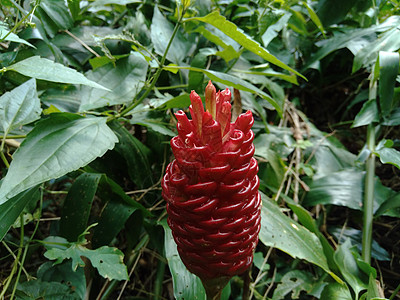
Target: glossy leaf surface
(57,145)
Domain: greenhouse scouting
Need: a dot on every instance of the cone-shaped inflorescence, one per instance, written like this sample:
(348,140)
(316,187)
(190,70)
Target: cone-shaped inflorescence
(211,190)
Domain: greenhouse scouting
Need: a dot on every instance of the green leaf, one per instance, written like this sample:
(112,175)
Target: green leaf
(38,289)
(118,2)
(355,236)
(12,37)
(314,17)
(349,37)
(115,213)
(45,69)
(181,101)
(388,156)
(136,154)
(331,12)
(20,106)
(109,261)
(279,231)
(336,291)
(74,8)
(186,285)
(368,114)
(388,70)
(58,12)
(387,41)
(228,53)
(124,81)
(274,29)
(63,273)
(11,210)
(270,73)
(231,30)
(141,115)
(294,281)
(57,145)
(235,82)
(161,33)
(373,290)
(308,222)
(348,267)
(74,221)
(344,188)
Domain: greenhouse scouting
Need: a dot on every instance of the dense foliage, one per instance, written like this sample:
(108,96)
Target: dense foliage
(88,92)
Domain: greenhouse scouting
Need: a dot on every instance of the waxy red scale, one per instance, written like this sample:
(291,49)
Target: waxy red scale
(211,188)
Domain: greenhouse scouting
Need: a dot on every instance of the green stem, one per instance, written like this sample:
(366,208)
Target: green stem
(27,246)
(17,259)
(159,279)
(131,259)
(20,136)
(20,21)
(395,293)
(156,75)
(369,196)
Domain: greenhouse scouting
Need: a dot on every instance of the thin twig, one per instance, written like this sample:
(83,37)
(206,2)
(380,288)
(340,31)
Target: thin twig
(82,43)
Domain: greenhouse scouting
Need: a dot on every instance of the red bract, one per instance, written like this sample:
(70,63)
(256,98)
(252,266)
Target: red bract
(211,188)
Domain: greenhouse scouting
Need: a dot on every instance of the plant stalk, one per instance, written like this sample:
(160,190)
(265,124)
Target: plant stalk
(156,75)
(369,196)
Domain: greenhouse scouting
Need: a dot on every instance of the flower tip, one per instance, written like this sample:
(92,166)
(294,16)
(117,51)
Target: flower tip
(210,94)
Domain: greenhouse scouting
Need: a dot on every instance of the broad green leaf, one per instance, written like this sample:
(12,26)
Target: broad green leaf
(74,221)
(279,231)
(234,82)
(274,29)
(124,80)
(293,282)
(109,2)
(66,100)
(308,222)
(57,145)
(11,210)
(270,73)
(368,114)
(63,273)
(390,203)
(346,39)
(344,188)
(388,70)
(58,13)
(349,269)
(196,79)
(355,236)
(336,291)
(228,53)
(74,8)
(20,106)
(142,115)
(181,277)
(12,37)
(136,154)
(331,12)
(161,33)
(114,214)
(45,69)
(38,289)
(387,41)
(109,261)
(231,30)
(181,101)
(388,156)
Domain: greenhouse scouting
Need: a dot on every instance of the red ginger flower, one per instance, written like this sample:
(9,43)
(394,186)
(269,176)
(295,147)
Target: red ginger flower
(211,190)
